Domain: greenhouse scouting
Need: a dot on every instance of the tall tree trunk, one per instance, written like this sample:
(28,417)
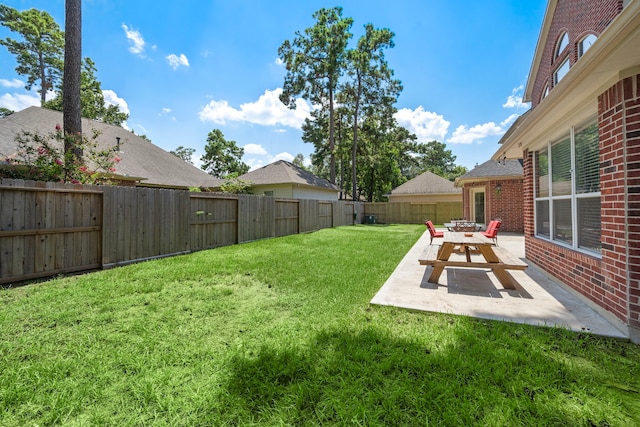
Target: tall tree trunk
(332,144)
(71,107)
(354,152)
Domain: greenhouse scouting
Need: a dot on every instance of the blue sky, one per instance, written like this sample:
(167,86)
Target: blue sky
(182,69)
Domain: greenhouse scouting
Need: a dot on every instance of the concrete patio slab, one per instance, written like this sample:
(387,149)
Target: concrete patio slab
(537,299)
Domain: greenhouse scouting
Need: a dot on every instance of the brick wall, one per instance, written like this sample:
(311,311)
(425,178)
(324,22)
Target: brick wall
(502,199)
(578,18)
(619,117)
(612,282)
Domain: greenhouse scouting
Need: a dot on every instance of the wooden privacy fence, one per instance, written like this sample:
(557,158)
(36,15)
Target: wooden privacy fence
(52,228)
(413,213)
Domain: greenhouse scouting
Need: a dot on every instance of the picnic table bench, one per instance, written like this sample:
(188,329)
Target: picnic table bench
(499,260)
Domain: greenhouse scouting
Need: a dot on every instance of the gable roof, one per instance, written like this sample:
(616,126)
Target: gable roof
(140,159)
(283,172)
(614,56)
(427,183)
(493,169)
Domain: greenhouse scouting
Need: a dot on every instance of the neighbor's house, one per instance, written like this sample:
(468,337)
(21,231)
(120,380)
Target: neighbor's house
(142,163)
(426,188)
(286,180)
(493,190)
(430,197)
(581,148)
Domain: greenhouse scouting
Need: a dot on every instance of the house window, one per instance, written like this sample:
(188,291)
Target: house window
(545,92)
(585,44)
(561,71)
(269,193)
(567,190)
(563,42)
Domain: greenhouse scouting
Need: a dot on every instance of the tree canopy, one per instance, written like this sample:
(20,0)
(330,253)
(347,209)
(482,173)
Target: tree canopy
(184,153)
(355,135)
(39,55)
(222,157)
(315,61)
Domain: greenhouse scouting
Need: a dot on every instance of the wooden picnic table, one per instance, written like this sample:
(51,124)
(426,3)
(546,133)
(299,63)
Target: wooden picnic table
(497,259)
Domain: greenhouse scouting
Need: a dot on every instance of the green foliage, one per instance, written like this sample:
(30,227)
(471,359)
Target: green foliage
(91,98)
(184,153)
(314,62)
(236,336)
(299,161)
(222,157)
(40,54)
(370,89)
(4,112)
(236,186)
(359,136)
(42,158)
(40,57)
(434,157)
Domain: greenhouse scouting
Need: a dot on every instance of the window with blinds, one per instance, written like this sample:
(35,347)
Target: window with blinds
(567,190)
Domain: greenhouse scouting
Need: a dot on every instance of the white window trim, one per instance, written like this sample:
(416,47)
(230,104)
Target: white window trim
(559,46)
(550,198)
(581,49)
(556,80)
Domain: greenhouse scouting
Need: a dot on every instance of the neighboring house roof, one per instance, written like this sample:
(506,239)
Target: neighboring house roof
(283,172)
(426,183)
(140,159)
(493,169)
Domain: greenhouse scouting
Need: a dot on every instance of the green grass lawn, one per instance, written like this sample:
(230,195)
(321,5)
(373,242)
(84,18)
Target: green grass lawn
(280,332)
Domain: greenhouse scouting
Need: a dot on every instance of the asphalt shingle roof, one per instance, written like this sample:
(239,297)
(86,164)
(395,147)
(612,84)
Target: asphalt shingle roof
(140,158)
(283,172)
(427,183)
(494,169)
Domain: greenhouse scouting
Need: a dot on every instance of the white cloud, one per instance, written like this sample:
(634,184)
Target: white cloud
(254,163)
(466,135)
(515,99)
(136,40)
(17,102)
(426,125)
(282,156)
(166,112)
(176,61)
(219,112)
(266,111)
(279,61)
(15,83)
(111,98)
(509,120)
(254,149)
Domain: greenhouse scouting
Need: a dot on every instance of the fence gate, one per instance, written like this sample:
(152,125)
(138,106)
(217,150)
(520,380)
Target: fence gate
(48,231)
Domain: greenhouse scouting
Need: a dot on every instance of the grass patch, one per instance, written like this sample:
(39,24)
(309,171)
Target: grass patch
(280,332)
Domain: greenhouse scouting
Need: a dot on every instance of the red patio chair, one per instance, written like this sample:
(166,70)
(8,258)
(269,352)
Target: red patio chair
(492,230)
(432,231)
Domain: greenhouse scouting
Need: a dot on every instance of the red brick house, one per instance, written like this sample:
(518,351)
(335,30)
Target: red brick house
(580,143)
(493,190)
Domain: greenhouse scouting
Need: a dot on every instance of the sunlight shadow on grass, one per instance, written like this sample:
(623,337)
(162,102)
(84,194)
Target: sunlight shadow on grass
(368,375)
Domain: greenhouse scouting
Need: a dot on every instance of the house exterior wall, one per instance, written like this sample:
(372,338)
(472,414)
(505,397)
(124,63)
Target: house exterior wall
(303,192)
(292,191)
(279,190)
(503,200)
(578,18)
(609,281)
(612,282)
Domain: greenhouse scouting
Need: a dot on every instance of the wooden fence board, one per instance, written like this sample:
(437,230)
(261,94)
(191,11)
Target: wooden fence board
(47,228)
